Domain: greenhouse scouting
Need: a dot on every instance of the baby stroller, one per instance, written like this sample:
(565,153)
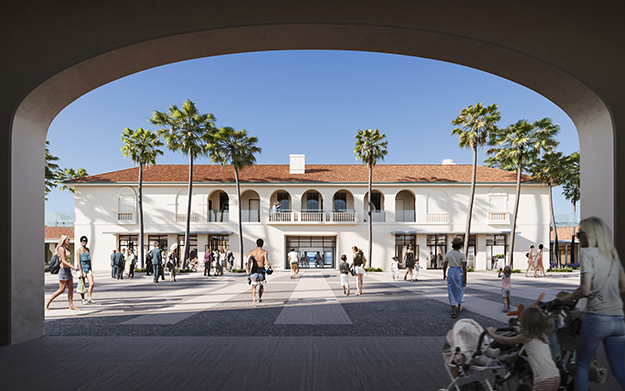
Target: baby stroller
(468,352)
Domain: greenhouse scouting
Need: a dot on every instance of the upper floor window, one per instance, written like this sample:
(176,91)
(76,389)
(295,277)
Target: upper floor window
(340,202)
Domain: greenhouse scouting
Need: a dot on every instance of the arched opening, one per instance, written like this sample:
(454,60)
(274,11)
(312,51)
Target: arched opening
(405,207)
(218,207)
(378,214)
(39,91)
(250,207)
(312,206)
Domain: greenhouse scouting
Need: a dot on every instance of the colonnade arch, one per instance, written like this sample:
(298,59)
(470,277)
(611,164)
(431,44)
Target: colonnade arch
(68,50)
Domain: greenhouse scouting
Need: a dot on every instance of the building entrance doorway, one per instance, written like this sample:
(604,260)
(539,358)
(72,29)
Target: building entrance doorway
(313,252)
(437,246)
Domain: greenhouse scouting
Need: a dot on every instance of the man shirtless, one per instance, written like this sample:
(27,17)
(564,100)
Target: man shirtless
(256,269)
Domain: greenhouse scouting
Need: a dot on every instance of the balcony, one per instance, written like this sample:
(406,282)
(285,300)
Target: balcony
(498,218)
(438,218)
(126,218)
(404,216)
(218,216)
(182,218)
(312,217)
(377,216)
(250,216)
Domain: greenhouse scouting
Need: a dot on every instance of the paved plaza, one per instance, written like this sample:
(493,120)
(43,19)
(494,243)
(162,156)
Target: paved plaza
(202,333)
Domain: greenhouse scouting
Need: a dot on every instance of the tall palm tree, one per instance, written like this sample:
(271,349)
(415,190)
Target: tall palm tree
(548,169)
(52,171)
(142,147)
(67,174)
(477,126)
(228,146)
(570,187)
(517,146)
(370,147)
(186,131)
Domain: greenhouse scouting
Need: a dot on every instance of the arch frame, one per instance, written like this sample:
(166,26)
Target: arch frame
(76,50)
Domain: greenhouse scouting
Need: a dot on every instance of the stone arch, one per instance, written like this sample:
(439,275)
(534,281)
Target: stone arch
(74,60)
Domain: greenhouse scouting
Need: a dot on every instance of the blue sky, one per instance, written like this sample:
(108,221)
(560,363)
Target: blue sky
(310,102)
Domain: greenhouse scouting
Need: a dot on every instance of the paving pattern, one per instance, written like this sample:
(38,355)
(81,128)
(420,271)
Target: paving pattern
(306,333)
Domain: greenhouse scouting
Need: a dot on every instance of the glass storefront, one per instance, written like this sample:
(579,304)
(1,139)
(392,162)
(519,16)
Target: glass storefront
(437,246)
(496,247)
(313,251)
(401,246)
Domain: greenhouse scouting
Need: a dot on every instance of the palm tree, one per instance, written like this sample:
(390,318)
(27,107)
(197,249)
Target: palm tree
(228,146)
(548,169)
(186,131)
(477,125)
(570,187)
(142,147)
(52,171)
(517,146)
(67,175)
(370,147)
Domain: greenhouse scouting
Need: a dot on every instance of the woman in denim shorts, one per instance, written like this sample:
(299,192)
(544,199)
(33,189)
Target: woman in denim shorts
(66,279)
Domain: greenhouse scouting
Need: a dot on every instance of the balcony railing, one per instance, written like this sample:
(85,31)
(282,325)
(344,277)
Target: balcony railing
(404,216)
(440,218)
(182,218)
(218,216)
(499,218)
(250,216)
(315,216)
(126,217)
(377,216)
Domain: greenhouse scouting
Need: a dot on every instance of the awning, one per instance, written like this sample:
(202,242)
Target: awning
(169,233)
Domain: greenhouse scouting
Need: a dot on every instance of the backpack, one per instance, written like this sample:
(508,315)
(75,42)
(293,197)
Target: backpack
(55,264)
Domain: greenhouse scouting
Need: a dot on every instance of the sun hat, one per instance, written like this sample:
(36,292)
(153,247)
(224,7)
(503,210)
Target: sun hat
(457,240)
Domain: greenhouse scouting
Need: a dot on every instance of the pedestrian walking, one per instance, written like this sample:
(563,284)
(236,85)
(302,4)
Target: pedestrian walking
(506,287)
(395,268)
(344,270)
(409,260)
(292,257)
(602,282)
(457,276)
(66,280)
(258,265)
(358,264)
(156,261)
(128,261)
(84,264)
(539,262)
(132,260)
(416,269)
(208,257)
(113,267)
(149,269)
(119,265)
(531,256)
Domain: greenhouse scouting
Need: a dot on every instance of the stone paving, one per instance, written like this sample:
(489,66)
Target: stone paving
(203,333)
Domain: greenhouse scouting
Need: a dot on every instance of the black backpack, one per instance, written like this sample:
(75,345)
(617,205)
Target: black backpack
(55,264)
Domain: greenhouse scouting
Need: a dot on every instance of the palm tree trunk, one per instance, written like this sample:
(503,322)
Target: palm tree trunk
(467,230)
(516,209)
(187,233)
(141,235)
(370,217)
(556,249)
(236,178)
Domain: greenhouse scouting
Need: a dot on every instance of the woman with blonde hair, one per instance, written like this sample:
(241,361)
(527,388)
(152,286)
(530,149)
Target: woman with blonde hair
(602,283)
(66,279)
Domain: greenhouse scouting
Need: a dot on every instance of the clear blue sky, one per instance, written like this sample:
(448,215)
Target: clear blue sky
(310,102)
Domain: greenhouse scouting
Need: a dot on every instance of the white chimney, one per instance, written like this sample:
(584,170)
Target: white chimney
(298,164)
(448,162)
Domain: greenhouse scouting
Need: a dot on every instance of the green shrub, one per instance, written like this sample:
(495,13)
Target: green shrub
(238,271)
(373,269)
(470,269)
(561,270)
(47,269)
(516,270)
(140,270)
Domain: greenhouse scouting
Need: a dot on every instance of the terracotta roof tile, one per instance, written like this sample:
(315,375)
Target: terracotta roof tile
(354,173)
(56,232)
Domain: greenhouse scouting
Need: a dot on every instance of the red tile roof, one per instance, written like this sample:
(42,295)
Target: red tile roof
(56,232)
(564,233)
(330,173)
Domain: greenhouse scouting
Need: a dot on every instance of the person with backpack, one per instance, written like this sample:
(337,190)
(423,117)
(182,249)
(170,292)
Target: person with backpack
(66,280)
(359,268)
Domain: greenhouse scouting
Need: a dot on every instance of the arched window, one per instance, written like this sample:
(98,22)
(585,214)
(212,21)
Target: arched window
(126,205)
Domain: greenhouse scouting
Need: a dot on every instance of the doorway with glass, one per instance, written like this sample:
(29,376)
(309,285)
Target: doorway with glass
(313,252)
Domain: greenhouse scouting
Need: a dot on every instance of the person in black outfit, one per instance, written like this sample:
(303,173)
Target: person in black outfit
(119,264)
(148,263)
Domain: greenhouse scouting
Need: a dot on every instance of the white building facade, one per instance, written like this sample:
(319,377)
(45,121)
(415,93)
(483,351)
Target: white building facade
(322,213)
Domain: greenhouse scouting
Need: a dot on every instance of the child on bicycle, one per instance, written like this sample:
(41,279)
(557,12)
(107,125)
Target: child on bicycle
(534,324)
